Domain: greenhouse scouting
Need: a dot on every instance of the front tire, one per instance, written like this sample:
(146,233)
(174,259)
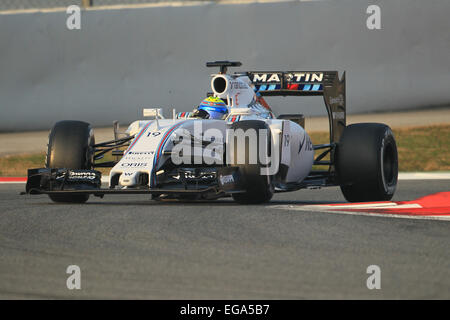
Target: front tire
(367,162)
(70,146)
(258,187)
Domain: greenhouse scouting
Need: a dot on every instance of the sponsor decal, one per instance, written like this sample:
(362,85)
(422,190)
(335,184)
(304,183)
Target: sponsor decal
(133,164)
(337,100)
(304,77)
(238,85)
(290,77)
(308,145)
(267,77)
(82,175)
(226,179)
(338,115)
(287,140)
(191,175)
(138,159)
(141,153)
(139,156)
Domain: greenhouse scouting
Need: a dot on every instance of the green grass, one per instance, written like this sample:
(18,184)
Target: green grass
(419,149)
(16,166)
(424,149)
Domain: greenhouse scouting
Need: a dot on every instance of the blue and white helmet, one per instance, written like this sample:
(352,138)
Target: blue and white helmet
(215,107)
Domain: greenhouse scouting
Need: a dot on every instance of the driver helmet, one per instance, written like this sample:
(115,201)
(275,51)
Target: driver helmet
(214,106)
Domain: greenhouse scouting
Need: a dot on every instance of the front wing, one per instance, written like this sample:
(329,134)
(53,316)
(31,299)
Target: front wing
(75,182)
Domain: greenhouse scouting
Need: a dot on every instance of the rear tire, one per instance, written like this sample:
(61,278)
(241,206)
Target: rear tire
(70,147)
(367,162)
(258,187)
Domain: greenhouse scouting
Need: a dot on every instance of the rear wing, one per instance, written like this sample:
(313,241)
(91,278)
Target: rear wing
(307,83)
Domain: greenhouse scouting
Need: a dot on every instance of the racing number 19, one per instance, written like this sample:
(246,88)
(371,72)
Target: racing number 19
(154,134)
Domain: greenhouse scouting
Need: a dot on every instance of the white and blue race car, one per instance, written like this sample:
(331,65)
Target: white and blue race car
(232,145)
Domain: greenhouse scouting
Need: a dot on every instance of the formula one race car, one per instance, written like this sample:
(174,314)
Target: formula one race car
(232,145)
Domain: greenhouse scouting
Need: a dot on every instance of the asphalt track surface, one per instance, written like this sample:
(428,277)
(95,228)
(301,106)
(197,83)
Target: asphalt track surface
(131,247)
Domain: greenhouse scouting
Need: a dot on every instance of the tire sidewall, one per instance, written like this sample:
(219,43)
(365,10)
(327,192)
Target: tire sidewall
(71,146)
(259,187)
(367,162)
(387,142)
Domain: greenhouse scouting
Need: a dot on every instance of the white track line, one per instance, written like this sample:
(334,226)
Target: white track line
(424,175)
(11,182)
(356,206)
(391,205)
(309,208)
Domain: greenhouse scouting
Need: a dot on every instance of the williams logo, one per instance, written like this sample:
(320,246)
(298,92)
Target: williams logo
(82,175)
(226,179)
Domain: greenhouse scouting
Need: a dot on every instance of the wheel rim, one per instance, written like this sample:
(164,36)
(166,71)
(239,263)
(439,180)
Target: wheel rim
(389,164)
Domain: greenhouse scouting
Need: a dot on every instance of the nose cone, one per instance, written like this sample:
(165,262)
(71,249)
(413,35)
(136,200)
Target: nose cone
(128,179)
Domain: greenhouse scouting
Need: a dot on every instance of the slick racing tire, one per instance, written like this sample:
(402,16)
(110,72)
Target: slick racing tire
(70,146)
(258,188)
(367,162)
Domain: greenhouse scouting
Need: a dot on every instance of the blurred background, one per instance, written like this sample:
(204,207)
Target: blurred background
(33,4)
(131,54)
